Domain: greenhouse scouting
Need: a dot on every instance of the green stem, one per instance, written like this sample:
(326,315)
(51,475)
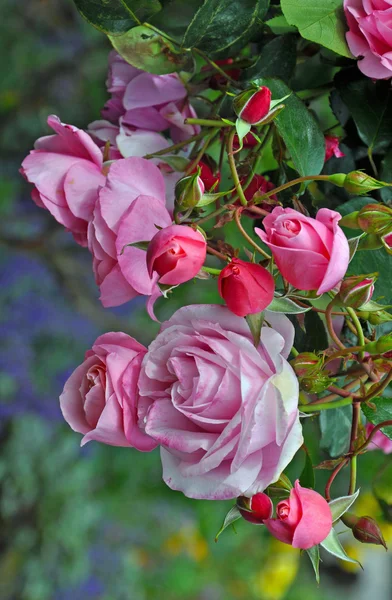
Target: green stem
(358,327)
(297,181)
(206,122)
(308,408)
(294,351)
(233,169)
(237,218)
(174,147)
(211,270)
(216,67)
(201,153)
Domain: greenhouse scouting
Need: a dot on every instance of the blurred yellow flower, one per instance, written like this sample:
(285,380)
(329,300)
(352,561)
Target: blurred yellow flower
(278,572)
(188,539)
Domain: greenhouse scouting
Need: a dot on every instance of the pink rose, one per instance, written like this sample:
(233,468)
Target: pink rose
(127,211)
(370,35)
(303,520)
(224,412)
(312,254)
(100,398)
(176,253)
(66,169)
(380,441)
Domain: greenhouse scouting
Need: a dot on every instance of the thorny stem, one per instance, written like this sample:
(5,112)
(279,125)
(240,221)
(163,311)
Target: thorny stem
(332,478)
(217,254)
(353,437)
(328,318)
(372,434)
(237,218)
(233,169)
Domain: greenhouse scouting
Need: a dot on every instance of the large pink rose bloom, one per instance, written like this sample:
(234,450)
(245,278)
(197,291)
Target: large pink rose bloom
(370,35)
(380,441)
(312,254)
(100,398)
(129,207)
(66,169)
(146,101)
(224,412)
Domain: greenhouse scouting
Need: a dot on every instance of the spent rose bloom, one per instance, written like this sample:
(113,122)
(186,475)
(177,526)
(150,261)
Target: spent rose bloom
(176,253)
(247,288)
(303,520)
(224,412)
(312,254)
(370,35)
(66,170)
(100,397)
(380,441)
(127,211)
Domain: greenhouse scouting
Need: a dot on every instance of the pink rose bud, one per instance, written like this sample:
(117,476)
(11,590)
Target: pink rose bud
(189,191)
(311,254)
(176,253)
(306,364)
(357,290)
(253,105)
(246,288)
(206,175)
(365,529)
(303,520)
(256,509)
(375,218)
(332,147)
(380,441)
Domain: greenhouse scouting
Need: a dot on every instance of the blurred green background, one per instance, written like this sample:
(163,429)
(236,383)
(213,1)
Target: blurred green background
(98,523)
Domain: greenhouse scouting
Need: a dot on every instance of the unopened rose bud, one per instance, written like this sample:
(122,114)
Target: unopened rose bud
(332,147)
(256,509)
(247,288)
(357,290)
(253,104)
(176,253)
(386,241)
(206,175)
(380,346)
(306,364)
(350,221)
(375,317)
(375,218)
(365,529)
(316,384)
(189,191)
(358,182)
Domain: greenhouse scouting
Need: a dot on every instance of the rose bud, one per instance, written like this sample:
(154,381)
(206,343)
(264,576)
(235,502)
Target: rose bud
(365,529)
(375,317)
(247,288)
(356,290)
(386,241)
(256,509)
(311,254)
(176,253)
(303,520)
(189,191)
(206,175)
(306,364)
(380,441)
(253,105)
(332,147)
(380,346)
(375,218)
(358,182)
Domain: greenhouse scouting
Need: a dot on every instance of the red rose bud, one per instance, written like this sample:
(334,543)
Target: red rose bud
(375,218)
(189,191)
(387,242)
(380,346)
(176,253)
(332,147)
(247,288)
(365,529)
(256,509)
(253,105)
(306,364)
(206,175)
(357,290)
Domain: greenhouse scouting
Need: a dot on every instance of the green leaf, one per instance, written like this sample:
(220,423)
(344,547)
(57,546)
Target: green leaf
(140,245)
(382,413)
(335,428)
(307,478)
(276,59)
(149,51)
(299,130)
(386,175)
(314,555)
(255,323)
(242,128)
(370,105)
(279,25)
(286,306)
(232,516)
(178,163)
(372,306)
(341,505)
(142,10)
(218,24)
(316,334)
(320,21)
(353,244)
(332,545)
(109,17)
(175,16)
